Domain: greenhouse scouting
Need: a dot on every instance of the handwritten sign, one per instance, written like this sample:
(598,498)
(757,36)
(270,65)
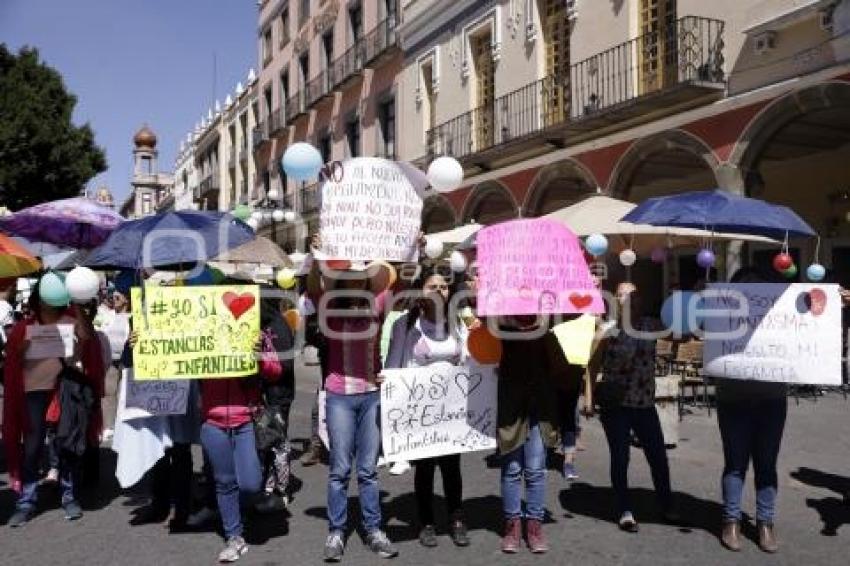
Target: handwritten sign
(532,267)
(774,332)
(438,410)
(196,332)
(150,398)
(370,211)
(50,341)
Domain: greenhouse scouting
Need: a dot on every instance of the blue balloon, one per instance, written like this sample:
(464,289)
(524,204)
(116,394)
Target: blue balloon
(676,313)
(816,272)
(52,291)
(596,244)
(302,162)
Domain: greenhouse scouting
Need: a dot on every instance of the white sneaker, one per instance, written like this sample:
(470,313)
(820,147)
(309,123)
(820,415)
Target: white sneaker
(382,461)
(107,435)
(399,468)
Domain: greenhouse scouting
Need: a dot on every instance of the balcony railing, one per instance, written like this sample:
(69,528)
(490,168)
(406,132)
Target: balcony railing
(381,39)
(318,87)
(260,134)
(310,200)
(349,64)
(296,105)
(276,121)
(653,69)
(209,184)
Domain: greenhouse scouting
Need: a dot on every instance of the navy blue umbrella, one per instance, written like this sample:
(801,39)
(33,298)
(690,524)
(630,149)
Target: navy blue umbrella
(171,239)
(720,211)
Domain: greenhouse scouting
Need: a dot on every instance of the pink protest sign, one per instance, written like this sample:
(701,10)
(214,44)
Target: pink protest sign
(531,267)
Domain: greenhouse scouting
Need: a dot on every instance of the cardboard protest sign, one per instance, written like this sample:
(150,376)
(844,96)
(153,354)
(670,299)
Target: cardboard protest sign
(438,410)
(370,211)
(142,399)
(533,267)
(787,333)
(50,341)
(196,332)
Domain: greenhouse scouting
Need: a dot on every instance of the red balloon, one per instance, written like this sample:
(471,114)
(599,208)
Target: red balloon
(782,262)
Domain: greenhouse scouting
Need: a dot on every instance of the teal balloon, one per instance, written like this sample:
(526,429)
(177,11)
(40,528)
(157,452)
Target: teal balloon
(596,244)
(52,291)
(242,212)
(676,313)
(816,272)
(302,162)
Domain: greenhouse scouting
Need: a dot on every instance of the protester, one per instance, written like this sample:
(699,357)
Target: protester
(423,337)
(39,391)
(353,417)
(315,452)
(114,321)
(626,396)
(529,418)
(751,417)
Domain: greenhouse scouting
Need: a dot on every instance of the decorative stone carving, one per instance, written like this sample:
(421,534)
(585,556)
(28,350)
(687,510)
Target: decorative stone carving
(326,19)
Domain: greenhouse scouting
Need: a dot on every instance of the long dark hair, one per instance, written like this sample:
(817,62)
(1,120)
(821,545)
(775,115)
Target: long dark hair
(426,273)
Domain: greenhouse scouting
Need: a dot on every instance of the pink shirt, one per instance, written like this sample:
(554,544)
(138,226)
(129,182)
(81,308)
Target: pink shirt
(354,353)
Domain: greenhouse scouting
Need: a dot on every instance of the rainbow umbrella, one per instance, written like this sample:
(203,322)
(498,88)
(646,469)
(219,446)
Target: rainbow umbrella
(16,261)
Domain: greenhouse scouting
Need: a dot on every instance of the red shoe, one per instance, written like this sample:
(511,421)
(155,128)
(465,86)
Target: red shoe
(536,539)
(513,536)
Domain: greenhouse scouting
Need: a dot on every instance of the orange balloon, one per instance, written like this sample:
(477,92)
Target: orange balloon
(484,348)
(293,319)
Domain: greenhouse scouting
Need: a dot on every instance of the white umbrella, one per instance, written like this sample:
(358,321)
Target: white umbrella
(456,235)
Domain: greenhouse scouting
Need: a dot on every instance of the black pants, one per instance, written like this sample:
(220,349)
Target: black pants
(423,482)
(171,479)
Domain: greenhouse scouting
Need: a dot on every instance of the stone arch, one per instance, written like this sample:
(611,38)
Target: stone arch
(489,202)
(558,185)
(438,214)
(666,162)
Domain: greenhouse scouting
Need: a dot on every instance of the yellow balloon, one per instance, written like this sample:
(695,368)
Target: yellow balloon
(286,278)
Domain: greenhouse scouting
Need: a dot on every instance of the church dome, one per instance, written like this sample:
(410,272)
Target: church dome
(145,138)
(104,196)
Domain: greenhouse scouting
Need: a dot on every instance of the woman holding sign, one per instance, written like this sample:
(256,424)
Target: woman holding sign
(420,338)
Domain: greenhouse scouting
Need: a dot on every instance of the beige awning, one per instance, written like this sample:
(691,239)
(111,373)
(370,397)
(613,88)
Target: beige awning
(457,235)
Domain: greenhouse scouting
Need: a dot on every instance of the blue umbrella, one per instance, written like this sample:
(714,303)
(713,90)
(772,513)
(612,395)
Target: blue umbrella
(720,211)
(170,239)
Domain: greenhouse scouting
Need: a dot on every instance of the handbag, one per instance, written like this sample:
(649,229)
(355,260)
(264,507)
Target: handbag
(269,427)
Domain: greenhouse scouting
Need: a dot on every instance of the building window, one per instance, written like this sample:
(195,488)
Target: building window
(304,67)
(325,147)
(352,134)
(304,13)
(267,46)
(147,204)
(328,48)
(386,129)
(284,28)
(284,88)
(267,98)
(658,64)
(556,33)
(430,95)
(355,19)
(482,58)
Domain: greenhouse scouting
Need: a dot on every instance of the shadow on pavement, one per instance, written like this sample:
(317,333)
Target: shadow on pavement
(834,512)
(481,513)
(825,480)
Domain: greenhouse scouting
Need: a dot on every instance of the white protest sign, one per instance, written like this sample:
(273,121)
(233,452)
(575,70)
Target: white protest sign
(370,210)
(438,410)
(323,418)
(142,399)
(773,332)
(50,341)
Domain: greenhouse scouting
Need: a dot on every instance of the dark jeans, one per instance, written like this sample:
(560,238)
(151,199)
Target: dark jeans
(236,467)
(570,424)
(171,480)
(618,423)
(36,406)
(751,429)
(423,481)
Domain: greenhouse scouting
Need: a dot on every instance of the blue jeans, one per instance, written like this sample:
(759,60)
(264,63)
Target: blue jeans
(618,423)
(751,429)
(236,468)
(37,403)
(354,429)
(528,461)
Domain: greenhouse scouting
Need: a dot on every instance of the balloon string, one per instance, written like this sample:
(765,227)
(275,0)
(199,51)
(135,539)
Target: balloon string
(785,243)
(817,251)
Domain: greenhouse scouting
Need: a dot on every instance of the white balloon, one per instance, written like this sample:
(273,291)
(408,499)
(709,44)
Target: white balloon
(433,247)
(628,258)
(257,215)
(253,223)
(445,174)
(278,216)
(289,216)
(457,261)
(82,284)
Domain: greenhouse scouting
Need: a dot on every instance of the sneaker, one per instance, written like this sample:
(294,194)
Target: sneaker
(511,538)
(312,456)
(428,536)
(73,511)
(627,523)
(459,532)
(233,550)
(381,462)
(21,517)
(536,539)
(569,471)
(201,518)
(399,468)
(381,545)
(334,547)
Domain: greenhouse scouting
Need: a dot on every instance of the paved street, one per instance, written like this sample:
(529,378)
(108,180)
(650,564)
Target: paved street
(813,523)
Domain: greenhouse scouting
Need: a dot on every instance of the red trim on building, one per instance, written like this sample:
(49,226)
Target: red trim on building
(519,183)
(722,131)
(601,162)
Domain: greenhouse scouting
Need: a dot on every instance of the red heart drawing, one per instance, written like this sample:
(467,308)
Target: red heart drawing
(818,301)
(580,301)
(238,304)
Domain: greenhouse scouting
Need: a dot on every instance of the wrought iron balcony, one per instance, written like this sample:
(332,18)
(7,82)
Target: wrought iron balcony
(349,65)
(209,184)
(318,87)
(259,135)
(277,121)
(382,40)
(663,72)
(296,105)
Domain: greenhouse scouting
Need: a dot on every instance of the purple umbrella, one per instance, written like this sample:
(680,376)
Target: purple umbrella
(74,222)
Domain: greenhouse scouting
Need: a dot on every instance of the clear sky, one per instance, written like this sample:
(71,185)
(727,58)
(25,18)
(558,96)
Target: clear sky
(135,61)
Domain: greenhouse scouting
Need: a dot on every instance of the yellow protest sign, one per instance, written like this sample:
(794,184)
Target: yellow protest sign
(196,332)
(576,337)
